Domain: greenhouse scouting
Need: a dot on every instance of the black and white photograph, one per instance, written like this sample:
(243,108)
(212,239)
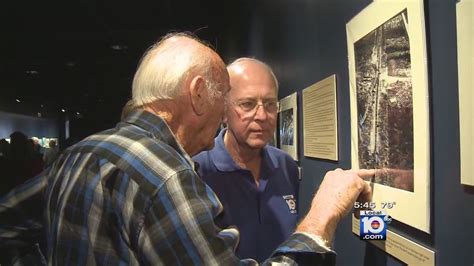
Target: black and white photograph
(287,127)
(385,103)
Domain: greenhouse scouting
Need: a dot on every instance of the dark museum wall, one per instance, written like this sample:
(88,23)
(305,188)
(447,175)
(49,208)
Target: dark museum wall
(305,41)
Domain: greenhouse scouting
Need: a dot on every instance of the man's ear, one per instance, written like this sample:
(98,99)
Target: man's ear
(198,94)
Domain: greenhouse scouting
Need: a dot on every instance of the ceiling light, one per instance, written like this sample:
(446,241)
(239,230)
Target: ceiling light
(118,47)
(79,115)
(18,100)
(63,110)
(32,72)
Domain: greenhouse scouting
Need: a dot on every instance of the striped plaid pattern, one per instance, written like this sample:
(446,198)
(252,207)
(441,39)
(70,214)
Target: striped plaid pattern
(128,196)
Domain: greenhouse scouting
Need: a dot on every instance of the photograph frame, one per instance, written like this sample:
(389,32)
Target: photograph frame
(288,125)
(409,207)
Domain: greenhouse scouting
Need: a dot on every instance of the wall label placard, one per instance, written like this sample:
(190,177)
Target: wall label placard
(320,120)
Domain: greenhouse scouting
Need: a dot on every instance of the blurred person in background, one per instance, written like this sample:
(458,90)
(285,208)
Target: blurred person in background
(50,154)
(4,151)
(22,164)
(4,148)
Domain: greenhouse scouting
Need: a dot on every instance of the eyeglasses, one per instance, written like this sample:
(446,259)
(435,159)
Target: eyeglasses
(250,106)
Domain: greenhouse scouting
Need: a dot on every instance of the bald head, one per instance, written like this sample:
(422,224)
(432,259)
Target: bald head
(245,69)
(169,63)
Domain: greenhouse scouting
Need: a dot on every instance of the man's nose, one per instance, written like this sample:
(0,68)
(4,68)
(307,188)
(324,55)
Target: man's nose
(260,113)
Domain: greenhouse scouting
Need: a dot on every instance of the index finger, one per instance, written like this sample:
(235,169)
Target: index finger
(365,172)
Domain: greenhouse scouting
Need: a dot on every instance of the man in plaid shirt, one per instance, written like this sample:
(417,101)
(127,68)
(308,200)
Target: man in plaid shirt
(130,195)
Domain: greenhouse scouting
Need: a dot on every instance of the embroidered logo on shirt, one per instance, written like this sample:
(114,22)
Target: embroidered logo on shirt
(291,202)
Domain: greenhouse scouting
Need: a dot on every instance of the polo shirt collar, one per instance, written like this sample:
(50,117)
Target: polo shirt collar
(224,162)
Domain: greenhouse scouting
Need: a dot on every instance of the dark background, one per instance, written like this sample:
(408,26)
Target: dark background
(81,55)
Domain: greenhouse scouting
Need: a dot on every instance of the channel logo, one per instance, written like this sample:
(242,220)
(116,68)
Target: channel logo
(373,225)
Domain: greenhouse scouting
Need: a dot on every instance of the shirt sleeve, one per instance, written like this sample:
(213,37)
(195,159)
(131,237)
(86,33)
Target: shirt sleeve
(179,228)
(21,213)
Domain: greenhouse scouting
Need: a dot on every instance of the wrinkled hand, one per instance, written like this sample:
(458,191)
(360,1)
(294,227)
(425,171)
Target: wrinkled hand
(339,190)
(334,199)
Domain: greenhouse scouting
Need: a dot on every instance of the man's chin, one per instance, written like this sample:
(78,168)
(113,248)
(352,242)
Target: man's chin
(257,144)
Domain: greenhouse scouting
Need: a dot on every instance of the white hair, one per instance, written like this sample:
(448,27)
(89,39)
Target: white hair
(167,64)
(269,69)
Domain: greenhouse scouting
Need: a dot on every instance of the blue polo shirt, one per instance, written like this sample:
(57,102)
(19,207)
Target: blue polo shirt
(265,215)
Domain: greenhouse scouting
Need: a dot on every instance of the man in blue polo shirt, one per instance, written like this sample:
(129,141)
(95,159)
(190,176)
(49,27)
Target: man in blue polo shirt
(256,183)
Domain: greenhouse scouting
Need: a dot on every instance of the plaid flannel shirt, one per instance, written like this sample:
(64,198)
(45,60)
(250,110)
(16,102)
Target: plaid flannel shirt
(130,195)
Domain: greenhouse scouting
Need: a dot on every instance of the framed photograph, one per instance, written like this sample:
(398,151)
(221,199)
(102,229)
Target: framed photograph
(389,106)
(465,31)
(288,125)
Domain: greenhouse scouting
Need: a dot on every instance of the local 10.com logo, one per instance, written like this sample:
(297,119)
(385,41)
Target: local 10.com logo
(373,225)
